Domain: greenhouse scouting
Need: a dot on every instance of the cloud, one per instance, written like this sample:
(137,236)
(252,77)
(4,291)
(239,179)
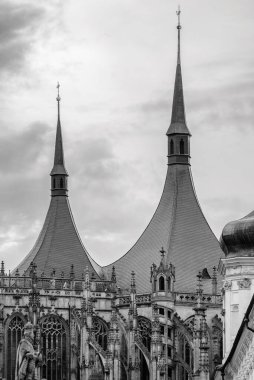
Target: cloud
(23,25)
(18,26)
(20,151)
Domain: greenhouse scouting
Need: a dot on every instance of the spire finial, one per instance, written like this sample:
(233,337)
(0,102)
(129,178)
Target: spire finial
(179,27)
(178,12)
(58,101)
(162,251)
(58,96)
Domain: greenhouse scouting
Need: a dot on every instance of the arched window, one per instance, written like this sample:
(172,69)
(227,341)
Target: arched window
(161,283)
(181,146)
(61,183)
(171,146)
(14,332)
(54,183)
(100,329)
(145,330)
(55,348)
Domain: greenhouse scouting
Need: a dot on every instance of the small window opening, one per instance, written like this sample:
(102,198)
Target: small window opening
(171,147)
(181,146)
(54,183)
(162,283)
(162,329)
(61,183)
(161,311)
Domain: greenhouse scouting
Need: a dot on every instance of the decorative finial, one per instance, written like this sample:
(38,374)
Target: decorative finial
(58,96)
(162,251)
(178,12)
(199,284)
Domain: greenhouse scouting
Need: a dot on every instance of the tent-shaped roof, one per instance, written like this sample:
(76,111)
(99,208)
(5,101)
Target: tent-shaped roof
(178,223)
(59,246)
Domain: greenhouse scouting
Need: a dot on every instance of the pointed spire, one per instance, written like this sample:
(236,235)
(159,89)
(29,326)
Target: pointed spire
(178,122)
(58,173)
(59,167)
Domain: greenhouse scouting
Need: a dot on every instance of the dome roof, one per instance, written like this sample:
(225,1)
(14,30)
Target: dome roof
(237,237)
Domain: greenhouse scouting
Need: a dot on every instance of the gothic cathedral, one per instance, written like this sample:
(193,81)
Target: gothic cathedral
(153,314)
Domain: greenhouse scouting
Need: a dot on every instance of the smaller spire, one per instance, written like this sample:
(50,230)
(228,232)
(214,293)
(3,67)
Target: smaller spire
(2,269)
(59,153)
(59,173)
(113,274)
(133,282)
(178,122)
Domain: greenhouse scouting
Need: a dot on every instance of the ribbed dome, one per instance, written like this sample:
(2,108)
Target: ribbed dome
(237,237)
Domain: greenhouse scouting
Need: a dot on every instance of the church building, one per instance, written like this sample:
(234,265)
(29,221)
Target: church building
(154,314)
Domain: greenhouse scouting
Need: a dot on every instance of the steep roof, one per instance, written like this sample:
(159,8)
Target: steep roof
(178,225)
(59,246)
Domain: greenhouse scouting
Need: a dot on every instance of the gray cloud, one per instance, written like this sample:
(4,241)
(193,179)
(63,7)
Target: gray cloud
(18,24)
(21,150)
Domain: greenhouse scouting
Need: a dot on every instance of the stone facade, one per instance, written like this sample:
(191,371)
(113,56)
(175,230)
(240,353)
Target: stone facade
(88,330)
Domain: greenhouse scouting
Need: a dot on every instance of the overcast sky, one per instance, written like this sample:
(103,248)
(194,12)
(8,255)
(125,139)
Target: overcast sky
(115,61)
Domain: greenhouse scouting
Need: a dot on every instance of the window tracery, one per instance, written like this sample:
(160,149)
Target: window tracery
(14,332)
(145,330)
(100,329)
(55,347)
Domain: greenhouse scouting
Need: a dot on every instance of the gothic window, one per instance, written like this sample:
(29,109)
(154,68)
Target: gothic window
(100,329)
(54,344)
(145,329)
(61,183)
(161,283)
(54,183)
(171,147)
(14,332)
(181,146)
(190,322)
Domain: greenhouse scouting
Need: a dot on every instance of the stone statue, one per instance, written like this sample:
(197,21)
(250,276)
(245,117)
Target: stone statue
(27,359)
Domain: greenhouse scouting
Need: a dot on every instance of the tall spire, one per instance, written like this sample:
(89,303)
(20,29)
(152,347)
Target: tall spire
(178,122)
(58,173)
(178,133)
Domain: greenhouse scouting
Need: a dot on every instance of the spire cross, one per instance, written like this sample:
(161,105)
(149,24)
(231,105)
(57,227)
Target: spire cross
(178,12)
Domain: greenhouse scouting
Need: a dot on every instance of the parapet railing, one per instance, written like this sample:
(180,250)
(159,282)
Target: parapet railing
(24,284)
